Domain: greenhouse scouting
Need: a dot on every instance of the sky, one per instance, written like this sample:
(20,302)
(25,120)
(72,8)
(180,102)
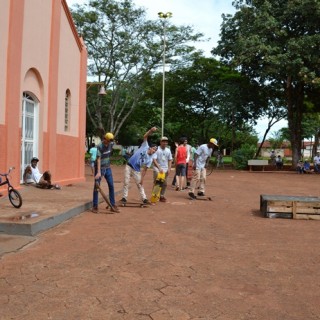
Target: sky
(205,17)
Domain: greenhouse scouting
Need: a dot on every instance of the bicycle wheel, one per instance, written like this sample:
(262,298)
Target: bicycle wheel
(209,169)
(15,198)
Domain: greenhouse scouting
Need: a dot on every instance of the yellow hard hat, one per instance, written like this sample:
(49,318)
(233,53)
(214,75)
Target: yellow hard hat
(214,141)
(109,136)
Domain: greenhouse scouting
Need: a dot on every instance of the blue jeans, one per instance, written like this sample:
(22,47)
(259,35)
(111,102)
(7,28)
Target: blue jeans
(107,173)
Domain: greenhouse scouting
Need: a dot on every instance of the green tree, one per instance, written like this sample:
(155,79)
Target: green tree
(206,96)
(277,43)
(311,129)
(123,49)
(276,139)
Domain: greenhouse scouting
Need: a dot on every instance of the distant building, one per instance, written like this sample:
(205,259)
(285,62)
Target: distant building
(42,89)
(285,149)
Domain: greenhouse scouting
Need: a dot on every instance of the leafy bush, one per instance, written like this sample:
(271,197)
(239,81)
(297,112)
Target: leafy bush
(87,157)
(242,155)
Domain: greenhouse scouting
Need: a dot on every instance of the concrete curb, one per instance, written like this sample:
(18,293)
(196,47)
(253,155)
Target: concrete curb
(32,228)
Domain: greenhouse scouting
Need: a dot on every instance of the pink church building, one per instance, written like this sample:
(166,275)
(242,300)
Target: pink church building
(43,65)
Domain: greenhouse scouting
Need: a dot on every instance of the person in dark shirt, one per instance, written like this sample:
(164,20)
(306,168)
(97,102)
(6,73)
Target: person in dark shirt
(103,169)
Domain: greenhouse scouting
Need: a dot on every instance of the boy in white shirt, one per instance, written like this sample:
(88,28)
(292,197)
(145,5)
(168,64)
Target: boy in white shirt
(201,160)
(162,162)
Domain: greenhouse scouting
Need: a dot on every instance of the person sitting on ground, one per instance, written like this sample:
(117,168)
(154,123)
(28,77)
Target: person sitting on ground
(300,167)
(279,162)
(306,167)
(42,180)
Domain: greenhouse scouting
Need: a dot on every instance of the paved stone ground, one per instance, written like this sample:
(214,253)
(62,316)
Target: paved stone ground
(181,260)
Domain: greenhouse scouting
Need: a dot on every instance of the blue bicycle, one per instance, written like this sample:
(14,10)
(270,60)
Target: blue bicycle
(14,196)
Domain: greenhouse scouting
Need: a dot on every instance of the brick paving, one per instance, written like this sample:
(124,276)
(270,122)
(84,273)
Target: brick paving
(177,260)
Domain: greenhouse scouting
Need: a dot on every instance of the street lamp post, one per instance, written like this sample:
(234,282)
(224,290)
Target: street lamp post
(163,16)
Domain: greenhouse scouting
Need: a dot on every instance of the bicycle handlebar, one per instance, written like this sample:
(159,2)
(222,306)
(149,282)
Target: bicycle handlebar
(5,174)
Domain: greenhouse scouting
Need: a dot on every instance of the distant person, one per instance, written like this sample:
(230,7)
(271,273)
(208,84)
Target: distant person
(273,157)
(201,161)
(279,162)
(162,161)
(180,160)
(300,167)
(93,156)
(137,167)
(219,159)
(316,162)
(103,169)
(307,167)
(32,174)
(188,163)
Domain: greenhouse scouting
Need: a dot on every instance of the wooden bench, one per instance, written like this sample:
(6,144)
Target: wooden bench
(256,162)
(290,207)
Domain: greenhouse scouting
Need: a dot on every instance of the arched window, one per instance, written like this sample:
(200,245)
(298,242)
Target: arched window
(67,104)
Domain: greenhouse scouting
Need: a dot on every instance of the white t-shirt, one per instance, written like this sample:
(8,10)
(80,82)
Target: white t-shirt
(35,175)
(188,152)
(203,153)
(316,159)
(141,157)
(162,156)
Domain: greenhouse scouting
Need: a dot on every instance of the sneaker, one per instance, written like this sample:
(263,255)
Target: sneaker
(191,195)
(145,201)
(177,188)
(201,194)
(115,209)
(123,200)
(163,199)
(95,210)
(56,186)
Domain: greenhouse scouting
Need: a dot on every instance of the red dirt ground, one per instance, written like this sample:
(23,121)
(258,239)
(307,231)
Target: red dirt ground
(178,260)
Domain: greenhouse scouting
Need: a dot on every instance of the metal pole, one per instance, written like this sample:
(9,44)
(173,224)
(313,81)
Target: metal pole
(163,16)
(163,78)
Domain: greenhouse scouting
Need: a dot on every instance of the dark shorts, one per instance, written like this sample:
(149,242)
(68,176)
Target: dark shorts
(181,170)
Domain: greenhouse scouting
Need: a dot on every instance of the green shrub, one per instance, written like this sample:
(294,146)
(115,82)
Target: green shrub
(116,152)
(87,157)
(242,155)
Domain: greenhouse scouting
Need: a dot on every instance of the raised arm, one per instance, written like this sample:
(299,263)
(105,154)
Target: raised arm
(146,135)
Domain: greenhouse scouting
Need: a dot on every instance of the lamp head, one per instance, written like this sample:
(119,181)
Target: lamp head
(102,91)
(165,15)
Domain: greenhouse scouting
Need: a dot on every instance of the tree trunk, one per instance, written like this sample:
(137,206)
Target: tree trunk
(261,144)
(315,145)
(295,111)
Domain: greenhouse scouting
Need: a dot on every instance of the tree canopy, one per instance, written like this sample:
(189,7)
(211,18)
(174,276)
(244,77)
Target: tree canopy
(124,48)
(277,44)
